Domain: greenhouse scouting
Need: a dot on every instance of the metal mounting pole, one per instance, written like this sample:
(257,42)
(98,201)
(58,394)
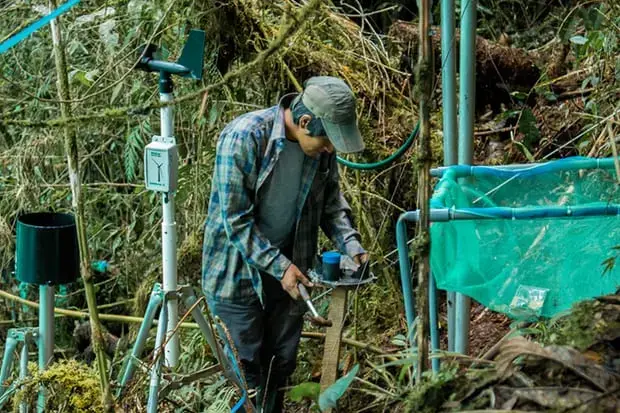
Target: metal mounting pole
(448,94)
(163,149)
(46,325)
(467,105)
(169,237)
(46,334)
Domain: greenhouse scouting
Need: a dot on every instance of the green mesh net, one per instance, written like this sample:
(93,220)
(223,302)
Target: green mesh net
(531,267)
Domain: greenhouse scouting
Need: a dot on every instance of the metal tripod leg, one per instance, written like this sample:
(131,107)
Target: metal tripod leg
(205,326)
(15,336)
(158,359)
(159,299)
(155,302)
(7,361)
(23,373)
(190,299)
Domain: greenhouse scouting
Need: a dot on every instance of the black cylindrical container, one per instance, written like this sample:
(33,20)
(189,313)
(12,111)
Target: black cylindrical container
(47,249)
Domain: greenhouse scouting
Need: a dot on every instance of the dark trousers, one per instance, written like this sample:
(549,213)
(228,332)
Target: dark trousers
(266,339)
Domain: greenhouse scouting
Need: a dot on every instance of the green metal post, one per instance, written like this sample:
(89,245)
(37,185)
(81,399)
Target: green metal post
(467,99)
(46,325)
(448,87)
(46,334)
(448,82)
(467,70)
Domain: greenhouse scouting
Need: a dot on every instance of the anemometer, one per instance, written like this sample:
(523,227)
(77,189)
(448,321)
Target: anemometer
(161,165)
(161,173)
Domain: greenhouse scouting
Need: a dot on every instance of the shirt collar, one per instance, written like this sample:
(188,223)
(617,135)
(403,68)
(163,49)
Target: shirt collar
(278,130)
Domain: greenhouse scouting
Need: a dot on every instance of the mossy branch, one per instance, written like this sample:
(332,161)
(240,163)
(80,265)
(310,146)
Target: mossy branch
(293,25)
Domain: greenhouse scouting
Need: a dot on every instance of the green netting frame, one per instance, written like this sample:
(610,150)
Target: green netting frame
(530,267)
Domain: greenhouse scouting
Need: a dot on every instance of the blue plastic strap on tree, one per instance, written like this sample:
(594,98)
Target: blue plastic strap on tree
(23,34)
(100,266)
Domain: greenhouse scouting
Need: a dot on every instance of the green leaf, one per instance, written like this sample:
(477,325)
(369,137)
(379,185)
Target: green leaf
(117,89)
(82,77)
(608,265)
(213,114)
(399,340)
(484,10)
(526,152)
(585,82)
(329,398)
(551,97)
(527,126)
(509,114)
(308,390)
(593,18)
(581,40)
(519,95)
(133,153)
(569,28)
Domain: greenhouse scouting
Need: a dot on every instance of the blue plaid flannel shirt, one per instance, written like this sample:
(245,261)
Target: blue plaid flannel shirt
(234,249)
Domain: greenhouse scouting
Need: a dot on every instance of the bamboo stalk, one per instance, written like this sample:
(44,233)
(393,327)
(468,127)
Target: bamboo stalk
(82,315)
(71,150)
(425,85)
(137,320)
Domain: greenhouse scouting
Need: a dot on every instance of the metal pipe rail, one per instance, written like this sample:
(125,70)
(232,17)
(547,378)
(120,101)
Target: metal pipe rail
(452,214)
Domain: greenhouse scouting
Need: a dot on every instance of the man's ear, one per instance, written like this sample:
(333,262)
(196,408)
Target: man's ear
(304,121)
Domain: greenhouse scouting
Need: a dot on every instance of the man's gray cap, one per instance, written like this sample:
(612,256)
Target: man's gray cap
(332,101)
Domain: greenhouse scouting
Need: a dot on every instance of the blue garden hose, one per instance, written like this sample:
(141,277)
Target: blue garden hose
(385,162)
(23,34)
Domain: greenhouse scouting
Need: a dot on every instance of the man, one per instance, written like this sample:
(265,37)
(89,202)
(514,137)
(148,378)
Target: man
(275,182)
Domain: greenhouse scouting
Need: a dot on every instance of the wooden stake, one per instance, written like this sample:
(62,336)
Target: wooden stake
(333,337)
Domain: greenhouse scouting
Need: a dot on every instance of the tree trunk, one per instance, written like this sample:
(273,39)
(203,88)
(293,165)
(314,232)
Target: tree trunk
(425,86)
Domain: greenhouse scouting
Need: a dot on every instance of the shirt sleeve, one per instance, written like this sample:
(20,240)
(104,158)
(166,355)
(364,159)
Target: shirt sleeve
(336,219)
(236,175)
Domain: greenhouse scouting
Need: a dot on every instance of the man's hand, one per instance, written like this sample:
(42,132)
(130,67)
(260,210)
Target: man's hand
(359,259)
(291,277)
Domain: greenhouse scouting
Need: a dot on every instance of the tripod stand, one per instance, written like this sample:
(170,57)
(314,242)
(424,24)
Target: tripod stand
(161,164)
(160,299)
